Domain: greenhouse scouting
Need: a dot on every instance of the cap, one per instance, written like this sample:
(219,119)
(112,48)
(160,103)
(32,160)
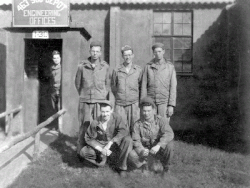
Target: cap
(125,48)
(147,100)
(158,45)
(95,43)
(106,102)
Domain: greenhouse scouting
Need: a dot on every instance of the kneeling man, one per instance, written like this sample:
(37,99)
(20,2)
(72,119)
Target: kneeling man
(152,138)
(107,134)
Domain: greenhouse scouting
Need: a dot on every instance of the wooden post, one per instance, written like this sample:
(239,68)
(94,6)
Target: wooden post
(10,118)
(36,146)
(115,40)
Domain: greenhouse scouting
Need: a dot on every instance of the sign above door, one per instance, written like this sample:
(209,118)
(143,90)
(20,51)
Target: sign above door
(40,13)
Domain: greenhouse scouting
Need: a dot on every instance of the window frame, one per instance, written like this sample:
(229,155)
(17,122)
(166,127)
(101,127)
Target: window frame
(172,36)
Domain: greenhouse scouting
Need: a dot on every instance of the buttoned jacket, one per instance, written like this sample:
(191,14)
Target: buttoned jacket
(159,82)
(92,83)
(126,85)
(115,131)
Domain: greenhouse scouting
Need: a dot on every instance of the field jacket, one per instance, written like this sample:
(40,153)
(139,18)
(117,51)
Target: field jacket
(97,136)
(147,135)
(159,82)
(126,86)
(91,83)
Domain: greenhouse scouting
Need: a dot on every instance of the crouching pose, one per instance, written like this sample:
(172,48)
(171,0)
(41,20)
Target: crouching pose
(152,139)
(106,135)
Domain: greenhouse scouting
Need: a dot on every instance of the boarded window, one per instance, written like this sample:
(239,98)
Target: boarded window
(174,30)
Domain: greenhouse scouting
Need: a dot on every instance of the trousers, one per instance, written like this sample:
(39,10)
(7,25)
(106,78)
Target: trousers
(165,156)
(87,112)
(122,150)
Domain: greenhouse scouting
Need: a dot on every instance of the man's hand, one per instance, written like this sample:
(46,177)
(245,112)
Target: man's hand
(155,149)
(106,152)
(108,146)
(170,111)
(145,153)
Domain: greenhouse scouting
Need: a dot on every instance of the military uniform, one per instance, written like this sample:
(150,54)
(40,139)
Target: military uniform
(92,84)
(146,135)
(116,132)
(159,82)
(126,87)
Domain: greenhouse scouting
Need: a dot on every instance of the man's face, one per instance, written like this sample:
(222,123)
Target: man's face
(56,59)
(106,112)
(158,53)
(147,112)
(128,56)
(95,52)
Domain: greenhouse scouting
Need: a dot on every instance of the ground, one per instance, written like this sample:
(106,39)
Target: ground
(193,166)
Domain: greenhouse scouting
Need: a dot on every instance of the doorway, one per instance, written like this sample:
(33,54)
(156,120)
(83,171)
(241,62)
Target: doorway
(38,62)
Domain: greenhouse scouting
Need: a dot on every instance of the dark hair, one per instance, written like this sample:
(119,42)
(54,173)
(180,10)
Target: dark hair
(147,104)
(104,105)
(55,52)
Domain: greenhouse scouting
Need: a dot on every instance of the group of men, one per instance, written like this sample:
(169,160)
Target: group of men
(136,127)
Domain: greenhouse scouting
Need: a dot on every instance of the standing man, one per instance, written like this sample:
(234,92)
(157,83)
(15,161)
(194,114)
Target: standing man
(55,80)
(125,83)
(159,82)
(92,84)
(106,135)
(152,137)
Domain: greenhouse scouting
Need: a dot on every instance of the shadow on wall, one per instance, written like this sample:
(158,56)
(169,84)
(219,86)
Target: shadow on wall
(213,92)
(2,85)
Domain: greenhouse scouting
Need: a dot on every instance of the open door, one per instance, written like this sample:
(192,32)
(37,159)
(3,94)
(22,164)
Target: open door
(37,93)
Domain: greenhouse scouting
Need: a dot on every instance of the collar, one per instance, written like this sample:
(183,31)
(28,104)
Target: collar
(109,122)
(157,65)
(98,65)
(55,67)
(122,68)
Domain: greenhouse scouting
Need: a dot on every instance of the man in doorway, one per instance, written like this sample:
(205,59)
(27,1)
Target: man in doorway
(125,83)
(152,139)
(55,80)
(92,84)
(159,82)
(107,135)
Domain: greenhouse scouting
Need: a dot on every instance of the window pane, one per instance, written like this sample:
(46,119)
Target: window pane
(166,30)
(186,17)
(157,29)
(187,43)
(177,17)
(178,55)
(186,29)
(186,56)
(157,17)
(178,66)
(167,17)
(167,43)
(178,29)
(178,43)
(167,55)
(187,67)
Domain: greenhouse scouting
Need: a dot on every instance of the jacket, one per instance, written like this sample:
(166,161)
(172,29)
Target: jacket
(147,135)
(91,83)
(116,130)
(126,86)
(159,82)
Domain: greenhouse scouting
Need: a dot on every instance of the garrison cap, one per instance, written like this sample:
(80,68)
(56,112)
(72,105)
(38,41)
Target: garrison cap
(158,45)
(106,102)
(147,100)
(95,43)
(125,48)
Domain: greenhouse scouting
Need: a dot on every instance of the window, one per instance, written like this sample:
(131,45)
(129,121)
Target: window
(174,30)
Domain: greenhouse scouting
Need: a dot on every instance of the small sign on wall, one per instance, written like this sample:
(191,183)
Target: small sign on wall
(40,13)
(40,34)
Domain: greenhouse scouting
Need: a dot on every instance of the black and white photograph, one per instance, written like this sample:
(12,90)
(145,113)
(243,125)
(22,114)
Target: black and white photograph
(124,93)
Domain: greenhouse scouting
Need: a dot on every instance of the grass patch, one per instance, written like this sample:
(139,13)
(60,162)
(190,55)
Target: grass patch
(193,166)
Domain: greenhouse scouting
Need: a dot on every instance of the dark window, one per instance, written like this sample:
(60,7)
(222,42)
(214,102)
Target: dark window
(174,30)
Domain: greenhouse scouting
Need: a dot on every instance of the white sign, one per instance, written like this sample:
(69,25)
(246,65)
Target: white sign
(40,34)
